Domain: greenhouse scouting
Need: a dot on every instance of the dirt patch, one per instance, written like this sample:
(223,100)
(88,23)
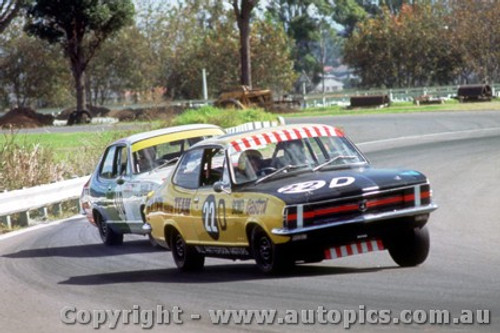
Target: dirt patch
(28,118)
(165,113)
(131,114)
(25,118)
(95,111)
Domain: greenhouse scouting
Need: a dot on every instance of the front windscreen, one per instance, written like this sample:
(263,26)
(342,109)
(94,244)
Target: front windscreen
(260,159)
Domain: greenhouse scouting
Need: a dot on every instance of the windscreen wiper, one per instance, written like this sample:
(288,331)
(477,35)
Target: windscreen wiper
(333,159)
(280,170)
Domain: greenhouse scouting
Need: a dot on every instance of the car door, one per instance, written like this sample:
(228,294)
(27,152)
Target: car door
(180,198)
(103,190)
(217,224)
(128,196)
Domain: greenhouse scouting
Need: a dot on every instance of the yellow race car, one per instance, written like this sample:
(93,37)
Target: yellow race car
(296,193)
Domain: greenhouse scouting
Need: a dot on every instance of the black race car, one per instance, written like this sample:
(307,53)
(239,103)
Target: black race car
(300,193)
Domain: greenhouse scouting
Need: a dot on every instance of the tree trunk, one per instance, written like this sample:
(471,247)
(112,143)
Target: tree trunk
(246,65)
(78,70)
(243,13)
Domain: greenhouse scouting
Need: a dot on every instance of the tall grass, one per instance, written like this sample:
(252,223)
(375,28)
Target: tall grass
(24,164)
(28,161)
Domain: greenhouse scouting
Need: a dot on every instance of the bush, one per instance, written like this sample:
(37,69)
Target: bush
(222,117)
(26,164)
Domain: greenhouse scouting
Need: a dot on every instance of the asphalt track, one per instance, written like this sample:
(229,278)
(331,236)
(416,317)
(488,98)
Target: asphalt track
(64,265)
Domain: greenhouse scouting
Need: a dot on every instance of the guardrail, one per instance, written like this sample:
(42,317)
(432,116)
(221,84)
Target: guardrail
(38,198)
(342,97)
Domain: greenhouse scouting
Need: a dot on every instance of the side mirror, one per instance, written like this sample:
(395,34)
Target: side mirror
(120,181)
(221,187)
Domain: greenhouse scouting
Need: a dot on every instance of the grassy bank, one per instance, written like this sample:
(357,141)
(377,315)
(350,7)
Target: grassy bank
(394,108)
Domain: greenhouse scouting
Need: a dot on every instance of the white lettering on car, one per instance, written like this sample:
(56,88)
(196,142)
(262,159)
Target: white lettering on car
(302,187)
(342,181)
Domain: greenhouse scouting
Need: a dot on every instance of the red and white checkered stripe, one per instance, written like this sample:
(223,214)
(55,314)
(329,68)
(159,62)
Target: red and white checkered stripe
(354,248)
(276,136)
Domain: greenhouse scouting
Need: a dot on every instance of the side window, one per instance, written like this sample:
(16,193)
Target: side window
(122,160)
(212,166)
(108,168)
(187,174)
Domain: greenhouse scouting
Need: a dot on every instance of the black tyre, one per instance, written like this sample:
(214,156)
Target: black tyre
(108,236)
(270,258)
(186,257)
(410,248)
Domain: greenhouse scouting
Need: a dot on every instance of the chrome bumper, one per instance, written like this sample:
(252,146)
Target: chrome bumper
(368,218)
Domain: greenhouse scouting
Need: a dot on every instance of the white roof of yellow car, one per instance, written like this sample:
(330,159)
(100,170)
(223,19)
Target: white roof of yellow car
(169,130)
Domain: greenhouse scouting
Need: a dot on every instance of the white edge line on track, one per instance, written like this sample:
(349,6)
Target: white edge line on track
(428,136)
(37,227)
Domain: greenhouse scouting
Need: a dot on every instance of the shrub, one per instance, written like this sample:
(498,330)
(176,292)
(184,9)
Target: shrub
(26,164)
(222,117)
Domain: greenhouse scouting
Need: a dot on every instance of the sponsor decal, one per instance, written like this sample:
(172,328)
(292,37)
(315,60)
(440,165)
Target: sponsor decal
(302,187)
(223,251)
(238,207)
(182,206)
(257,207)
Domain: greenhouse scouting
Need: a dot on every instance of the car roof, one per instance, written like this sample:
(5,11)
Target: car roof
(168,130)
(247,139)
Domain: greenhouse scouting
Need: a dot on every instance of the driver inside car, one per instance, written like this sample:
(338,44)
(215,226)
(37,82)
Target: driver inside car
(249,164)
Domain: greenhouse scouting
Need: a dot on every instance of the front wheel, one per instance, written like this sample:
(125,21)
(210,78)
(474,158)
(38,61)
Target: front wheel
(269,257)
(410,248)
(186,257)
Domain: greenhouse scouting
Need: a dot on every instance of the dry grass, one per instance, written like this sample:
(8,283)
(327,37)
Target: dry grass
(25,164)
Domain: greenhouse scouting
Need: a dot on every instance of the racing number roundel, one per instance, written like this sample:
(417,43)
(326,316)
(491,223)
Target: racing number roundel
(209,217)
(212,222)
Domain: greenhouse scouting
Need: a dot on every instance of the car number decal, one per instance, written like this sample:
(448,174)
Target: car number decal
(316,185)
(302,187)
(214,216)
(342,181)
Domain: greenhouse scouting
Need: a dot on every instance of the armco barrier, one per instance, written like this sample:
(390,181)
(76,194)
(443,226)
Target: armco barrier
(38,197)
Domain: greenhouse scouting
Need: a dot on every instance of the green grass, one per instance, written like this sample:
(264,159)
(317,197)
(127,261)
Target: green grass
(405,107)
(222,117)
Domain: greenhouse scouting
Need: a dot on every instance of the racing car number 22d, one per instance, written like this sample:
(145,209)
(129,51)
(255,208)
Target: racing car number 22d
(287,195)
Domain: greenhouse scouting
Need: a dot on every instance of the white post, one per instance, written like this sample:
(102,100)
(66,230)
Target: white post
(205,90)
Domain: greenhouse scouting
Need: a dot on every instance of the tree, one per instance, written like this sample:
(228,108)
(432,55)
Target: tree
(411,48)
(476,35)
(199,34)
(80,27)
(243,10)
(8,10)
(32,70)
(308,22)
(123,62)
(348,13)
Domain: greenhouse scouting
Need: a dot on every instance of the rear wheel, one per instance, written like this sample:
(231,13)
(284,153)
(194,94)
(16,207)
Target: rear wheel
(410,248)
(186,257)
(270,258)
(108,236)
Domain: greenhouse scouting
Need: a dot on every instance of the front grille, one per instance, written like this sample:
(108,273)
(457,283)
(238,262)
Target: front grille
(339,210)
